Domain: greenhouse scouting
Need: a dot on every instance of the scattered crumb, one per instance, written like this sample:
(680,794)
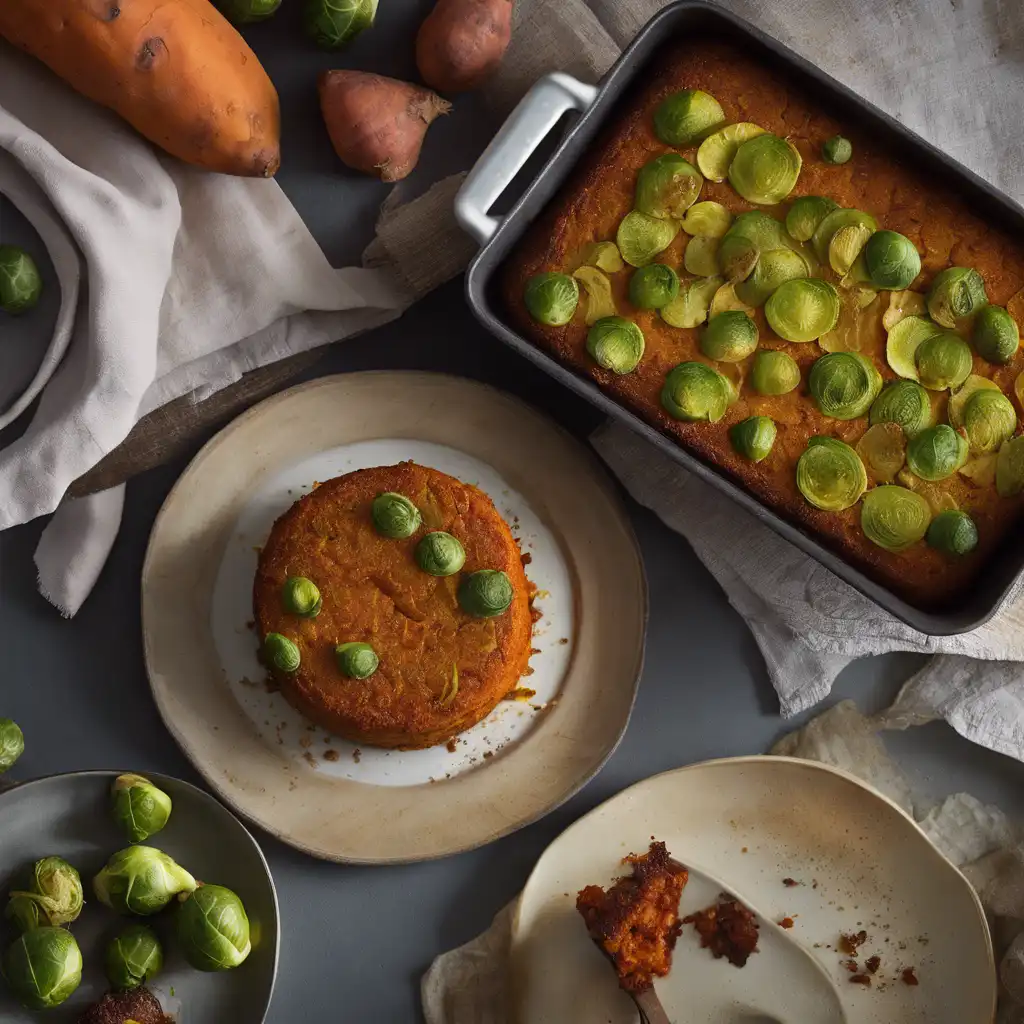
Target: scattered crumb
(305,742)
(790,882)
(860,979)
(786,922)
(849,965)
(310,759)
(872,964)
(848,943)
(909,977)
(246,681)
(743,850)
(270,685)
(527,558)
(563,640)
(488,754)
(357,755)
(251,624)
(727,929)
(331,755)
(452,745)
(534,650)
(523,693)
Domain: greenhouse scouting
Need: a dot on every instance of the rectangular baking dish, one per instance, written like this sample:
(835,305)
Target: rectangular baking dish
(533,121)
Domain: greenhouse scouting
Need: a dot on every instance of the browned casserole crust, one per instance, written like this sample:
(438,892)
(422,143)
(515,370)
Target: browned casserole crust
(877,180)
(373,591)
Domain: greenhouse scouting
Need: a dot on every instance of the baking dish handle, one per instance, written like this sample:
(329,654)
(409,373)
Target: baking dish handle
(527,126)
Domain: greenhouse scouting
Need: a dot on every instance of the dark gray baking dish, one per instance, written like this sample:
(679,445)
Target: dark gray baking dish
(526,129)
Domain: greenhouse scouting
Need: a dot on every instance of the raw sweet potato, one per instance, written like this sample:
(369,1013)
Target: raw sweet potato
(174,69)
(377,124)
(461,43)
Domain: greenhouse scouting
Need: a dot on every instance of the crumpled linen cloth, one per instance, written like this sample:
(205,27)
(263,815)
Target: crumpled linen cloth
(175,282)
(472,984)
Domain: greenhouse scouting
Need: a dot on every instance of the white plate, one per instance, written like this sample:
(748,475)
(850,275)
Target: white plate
(751,822)
(376,806)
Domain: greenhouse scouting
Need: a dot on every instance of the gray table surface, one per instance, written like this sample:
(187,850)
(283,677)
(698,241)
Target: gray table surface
(356,939)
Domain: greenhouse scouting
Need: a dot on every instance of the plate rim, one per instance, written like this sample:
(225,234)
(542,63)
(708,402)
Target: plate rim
(7,790)
(600,477)
(806,763)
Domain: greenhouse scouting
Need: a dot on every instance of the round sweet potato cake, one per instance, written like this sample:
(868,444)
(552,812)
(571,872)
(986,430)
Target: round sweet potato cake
(440,668)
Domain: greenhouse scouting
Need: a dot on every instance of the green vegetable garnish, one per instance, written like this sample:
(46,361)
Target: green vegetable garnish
(333,23)
(995,334)
(690,308)
(615,344)
(133,958)
(12,744)
(845,247)
(753,437)
(141,880)
(844,384)
(936,453)
(894,517)
(687,117)
(803,309)
(653,286)
(641,238)
(440,554)
(1010,468)
(701,256)
(806,214)
(301,596)
(25,913)
(892,260)
(486,593)
(989,419)
(729,337)
(708,219)
(774,373)
(667,187)
(833,222)
(212,929)
(773,268)
(837,150)
(356,660)
(243,12)
(603,255)
(395,516)
(905,337)
(43,967)
(140,808)
(830,474)
(765,169)
(716,152)
(905,403)
(956,292)
(737,255)
(953,533)
(600,301)
(281,653)
(552,298)
(56,889)
(943,361)
(883,450)
(20,280)
(694,391)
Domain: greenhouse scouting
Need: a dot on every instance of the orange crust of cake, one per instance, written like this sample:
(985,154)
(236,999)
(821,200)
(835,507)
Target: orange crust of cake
(373,591)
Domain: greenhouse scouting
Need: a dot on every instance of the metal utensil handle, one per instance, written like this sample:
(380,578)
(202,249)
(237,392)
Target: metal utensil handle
(527,126)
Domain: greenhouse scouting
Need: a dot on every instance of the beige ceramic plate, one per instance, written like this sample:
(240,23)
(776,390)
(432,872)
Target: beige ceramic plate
(319,794)
(752,822)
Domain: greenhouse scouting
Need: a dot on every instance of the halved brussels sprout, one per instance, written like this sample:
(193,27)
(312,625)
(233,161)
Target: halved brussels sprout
(140,808)
(690,308)
(956,292)
(832,222)
(845,246)
(894,517)
(980,470)
(772,269)
(213,929)
(803,309)
(440,554)
(56,889)
(774,373)
(603,255)
(753,437)
(729,337)
(856,328)
(806,214)
(830,475)
(726,299)
(486,593)
(12,743)
(844,384)
(892,260)
(695,391)
(141,880)
(837,150)
(667,187)
(333,23)
(937,452)
(43,967)
(995,335)
(551,298)
(905,337)
(700,257)
(301,596)
(20,281)
(953,533)
(598,289)
(616,344)
(765,169)
(356,659)
(737,256)
(1010,468)
(901,305)
(708,219)
(883,449)
(716,152)
(989,419)
(938,499)
(943,361)
(640,238)
(653,286)
(281,653)
(686,117)
(904,403)
(762,229)
(133,957)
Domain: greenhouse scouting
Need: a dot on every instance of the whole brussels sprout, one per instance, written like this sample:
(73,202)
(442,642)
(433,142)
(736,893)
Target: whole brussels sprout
(281,653)
(892,260)
(395,516)
(953,532)
(729,337)
(301,596)
(333,23)
(943,361)
(133,957)
(212,929)
(774,373)
(12,744)
(24,912)
(837,150)
(765,169)
(552,298)
(356,660)
(20,281)
(243,12)
(140,808)
(753,437)
(616,344)
(956,292)
(56,889)
(141,880)
(440,554)
(937,452)
(486,593)
(653,286)
(686,117)
(996,336)
(695,392)
(43,967)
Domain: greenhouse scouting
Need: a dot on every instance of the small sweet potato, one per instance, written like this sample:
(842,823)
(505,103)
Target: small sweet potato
(377,124)
(461,43)
(173,69)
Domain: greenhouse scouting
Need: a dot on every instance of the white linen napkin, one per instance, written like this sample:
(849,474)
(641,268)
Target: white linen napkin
(185,281)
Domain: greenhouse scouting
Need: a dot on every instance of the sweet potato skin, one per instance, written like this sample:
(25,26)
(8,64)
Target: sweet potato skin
(176,70)
(461,43)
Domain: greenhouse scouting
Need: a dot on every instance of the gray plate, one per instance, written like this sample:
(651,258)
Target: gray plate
(69,815)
